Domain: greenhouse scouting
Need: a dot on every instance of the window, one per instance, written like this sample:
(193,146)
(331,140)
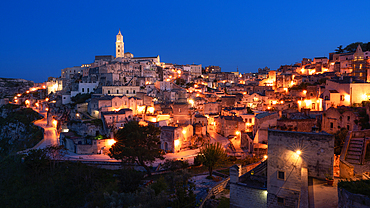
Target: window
(179,110)
(348,118)
(331,125)
(126,91)
(88,90)
(119,51)
(348,127)
(250,120)
(313,106)
(341,97)
(108,91)
(281,175)
(280,200)
(83,89)
(134,91)
(117,91)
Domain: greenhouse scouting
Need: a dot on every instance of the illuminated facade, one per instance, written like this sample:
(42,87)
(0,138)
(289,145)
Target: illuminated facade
(345,91)
(120,52)
(360,68)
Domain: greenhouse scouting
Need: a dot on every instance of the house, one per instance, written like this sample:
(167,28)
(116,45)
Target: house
(181,113)
(229,125)
(83,145)
(116,119)
(292,158)
(342,117)
(344,91)
(263,121)
(302,122)
(175,138)
(211,108)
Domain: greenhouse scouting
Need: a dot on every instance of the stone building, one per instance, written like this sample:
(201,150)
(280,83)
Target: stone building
(181,113)
(175,138)
(229,125)
(262,122)
(299,122)
(248,188)
(342,117)
(292,158)
(211,108)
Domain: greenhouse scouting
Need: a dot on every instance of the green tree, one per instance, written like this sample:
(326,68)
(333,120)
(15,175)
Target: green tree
(129,180)
(137,144)
(340,137)
(339,49)
(351,48)
(211,155)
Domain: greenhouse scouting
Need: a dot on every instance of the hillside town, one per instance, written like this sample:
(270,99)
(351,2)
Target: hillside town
(305,123)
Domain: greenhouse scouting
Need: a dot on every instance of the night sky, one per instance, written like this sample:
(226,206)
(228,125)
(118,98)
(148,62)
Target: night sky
(39,38)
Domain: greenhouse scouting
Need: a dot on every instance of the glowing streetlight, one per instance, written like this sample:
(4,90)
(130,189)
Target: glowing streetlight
(184,131)
(111,142)
(237,132)
(55,122)
(298,152)
(191,102)
(265,157)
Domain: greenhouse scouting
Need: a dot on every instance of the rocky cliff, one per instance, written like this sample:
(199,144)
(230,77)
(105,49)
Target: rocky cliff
(9,86)
(17,131)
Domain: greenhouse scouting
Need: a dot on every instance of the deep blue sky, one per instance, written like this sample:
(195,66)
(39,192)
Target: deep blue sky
(39,38)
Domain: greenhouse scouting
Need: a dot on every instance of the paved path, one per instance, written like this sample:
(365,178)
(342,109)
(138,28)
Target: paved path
(50,133)
(324,196)
(218,138)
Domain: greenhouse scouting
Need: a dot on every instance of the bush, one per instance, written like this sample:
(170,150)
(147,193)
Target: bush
(130,180)
(356,187)
(197,160)
(175,164)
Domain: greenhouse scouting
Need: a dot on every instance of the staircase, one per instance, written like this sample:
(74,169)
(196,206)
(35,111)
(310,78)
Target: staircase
(355,151)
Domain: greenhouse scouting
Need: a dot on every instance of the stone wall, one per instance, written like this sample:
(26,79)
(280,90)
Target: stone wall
(242,196)
(347,199)
(285,165)
(346,170)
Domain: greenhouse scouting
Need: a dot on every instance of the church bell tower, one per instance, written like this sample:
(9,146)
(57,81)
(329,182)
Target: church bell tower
(119,45)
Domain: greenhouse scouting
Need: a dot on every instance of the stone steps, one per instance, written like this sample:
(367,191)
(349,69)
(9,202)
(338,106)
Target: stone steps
(354,153)
(353,161)
(356,157)
(355,150)
(355,145)
(357,142)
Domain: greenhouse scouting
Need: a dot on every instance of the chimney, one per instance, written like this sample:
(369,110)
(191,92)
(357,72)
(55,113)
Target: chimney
(315,129)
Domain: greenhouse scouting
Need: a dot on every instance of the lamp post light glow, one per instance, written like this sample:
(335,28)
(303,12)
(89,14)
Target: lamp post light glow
(265,157)
(298,152)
